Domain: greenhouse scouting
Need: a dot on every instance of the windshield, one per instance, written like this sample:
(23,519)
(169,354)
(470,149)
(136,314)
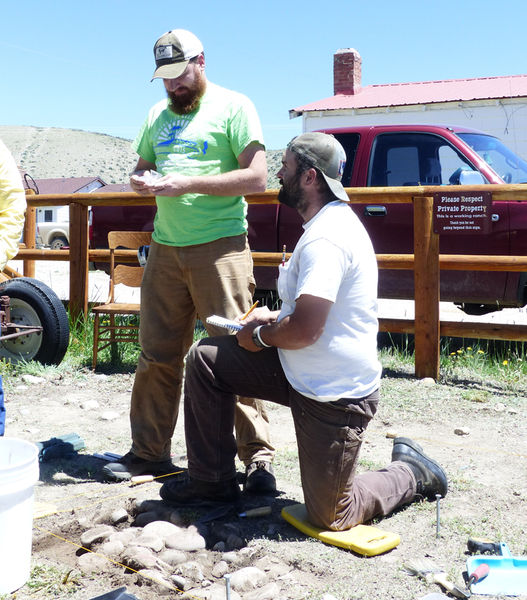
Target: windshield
(511,168)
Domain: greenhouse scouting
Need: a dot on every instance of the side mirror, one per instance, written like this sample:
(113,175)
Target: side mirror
(471,178)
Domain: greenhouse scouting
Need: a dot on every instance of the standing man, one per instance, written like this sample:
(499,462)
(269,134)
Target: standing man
(200,151)
(318,355)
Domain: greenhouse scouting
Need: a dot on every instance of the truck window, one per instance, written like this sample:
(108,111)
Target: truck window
(350,143)
(406,159)
(402,166)
(452,163)
(511,168)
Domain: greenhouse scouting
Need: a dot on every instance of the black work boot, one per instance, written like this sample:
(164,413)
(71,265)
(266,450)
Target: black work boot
(259,478)
(429,476)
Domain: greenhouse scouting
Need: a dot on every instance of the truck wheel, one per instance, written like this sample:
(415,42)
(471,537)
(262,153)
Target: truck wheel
(34,303)
(477,309)
(58,243)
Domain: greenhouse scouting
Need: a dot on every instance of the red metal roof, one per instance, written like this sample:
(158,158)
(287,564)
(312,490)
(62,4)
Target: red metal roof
(424,92)
(115,187)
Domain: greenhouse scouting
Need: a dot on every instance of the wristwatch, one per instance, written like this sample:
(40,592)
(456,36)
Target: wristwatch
(257,338)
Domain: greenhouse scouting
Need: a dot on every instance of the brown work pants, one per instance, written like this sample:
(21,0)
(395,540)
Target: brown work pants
(179,284)
(329,434)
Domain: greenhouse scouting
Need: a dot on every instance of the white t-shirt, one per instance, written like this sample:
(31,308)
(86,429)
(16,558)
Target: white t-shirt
(334,259)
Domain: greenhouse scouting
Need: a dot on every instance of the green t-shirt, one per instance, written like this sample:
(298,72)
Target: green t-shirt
(204,142)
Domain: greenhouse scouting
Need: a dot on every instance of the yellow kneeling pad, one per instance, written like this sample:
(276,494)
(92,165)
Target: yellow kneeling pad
(363,539)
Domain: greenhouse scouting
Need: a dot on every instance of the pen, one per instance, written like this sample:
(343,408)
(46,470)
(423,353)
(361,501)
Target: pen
(283,256)
(249,311)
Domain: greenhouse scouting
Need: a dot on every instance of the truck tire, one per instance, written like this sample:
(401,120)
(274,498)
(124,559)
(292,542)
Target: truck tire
(470,308)
(57,243)
(34,303)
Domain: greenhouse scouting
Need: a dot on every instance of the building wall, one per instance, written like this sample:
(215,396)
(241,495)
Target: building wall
(506,119)
(54,214)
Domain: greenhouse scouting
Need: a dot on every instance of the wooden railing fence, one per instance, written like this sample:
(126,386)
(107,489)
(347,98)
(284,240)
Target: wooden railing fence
(425,262)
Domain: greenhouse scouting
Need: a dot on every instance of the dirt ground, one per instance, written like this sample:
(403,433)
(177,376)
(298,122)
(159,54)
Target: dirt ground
(486,468)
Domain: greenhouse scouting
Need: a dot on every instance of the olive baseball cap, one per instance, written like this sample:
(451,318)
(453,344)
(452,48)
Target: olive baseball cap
(172,53)
(325,153)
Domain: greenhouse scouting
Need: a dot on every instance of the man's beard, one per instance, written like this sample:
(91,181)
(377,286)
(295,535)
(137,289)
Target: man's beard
(188,100)
(291,194)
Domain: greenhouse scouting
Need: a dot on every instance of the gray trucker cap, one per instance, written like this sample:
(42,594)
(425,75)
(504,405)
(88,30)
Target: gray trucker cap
(326,154)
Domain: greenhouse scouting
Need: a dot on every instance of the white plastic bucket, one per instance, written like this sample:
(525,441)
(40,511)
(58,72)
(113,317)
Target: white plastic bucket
(18,474)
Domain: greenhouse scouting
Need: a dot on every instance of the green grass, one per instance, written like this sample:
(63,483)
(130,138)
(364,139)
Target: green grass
(121,357)
(49,581)
(503,361)
(500,361)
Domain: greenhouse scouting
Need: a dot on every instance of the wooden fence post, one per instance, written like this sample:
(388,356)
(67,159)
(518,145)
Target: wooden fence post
(30,225)
(426,281)
(78,303)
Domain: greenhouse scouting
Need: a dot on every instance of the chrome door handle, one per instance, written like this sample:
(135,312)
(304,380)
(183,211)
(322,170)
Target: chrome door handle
(375,211)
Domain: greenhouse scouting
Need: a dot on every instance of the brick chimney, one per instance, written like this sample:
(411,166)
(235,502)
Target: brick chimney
(346,71)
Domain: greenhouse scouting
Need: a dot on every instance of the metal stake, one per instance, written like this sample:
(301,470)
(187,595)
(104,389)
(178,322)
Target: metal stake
(227,586)
(438,497)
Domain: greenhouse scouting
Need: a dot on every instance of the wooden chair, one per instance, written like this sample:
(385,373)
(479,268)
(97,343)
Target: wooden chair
(108,332)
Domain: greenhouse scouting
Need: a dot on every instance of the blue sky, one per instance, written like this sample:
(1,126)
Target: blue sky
(87,65)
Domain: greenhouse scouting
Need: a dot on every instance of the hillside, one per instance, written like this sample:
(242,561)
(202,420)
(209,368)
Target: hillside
(46,152)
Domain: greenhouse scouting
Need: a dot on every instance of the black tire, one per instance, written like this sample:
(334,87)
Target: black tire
(478,309)
(34,303)
(58,243)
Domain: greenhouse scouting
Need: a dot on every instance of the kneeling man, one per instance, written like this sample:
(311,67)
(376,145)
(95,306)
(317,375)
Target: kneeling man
(317,355)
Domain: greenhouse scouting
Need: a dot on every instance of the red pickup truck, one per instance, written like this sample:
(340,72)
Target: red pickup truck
(398,155)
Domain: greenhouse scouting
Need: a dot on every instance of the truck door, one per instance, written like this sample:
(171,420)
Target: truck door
(411,159)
